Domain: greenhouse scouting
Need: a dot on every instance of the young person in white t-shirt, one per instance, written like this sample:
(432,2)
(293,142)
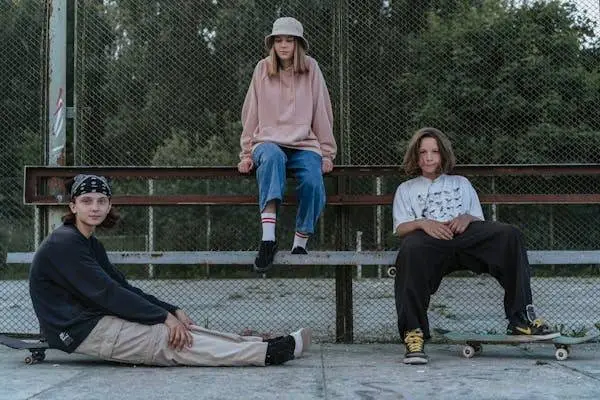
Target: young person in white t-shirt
(439,218)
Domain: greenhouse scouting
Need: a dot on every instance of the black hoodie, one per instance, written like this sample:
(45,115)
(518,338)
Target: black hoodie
(73,285)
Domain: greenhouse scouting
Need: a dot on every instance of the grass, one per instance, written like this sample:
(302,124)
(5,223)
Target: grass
(576,332)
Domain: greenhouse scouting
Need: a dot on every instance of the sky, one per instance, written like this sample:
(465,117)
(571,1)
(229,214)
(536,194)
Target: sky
(592,8)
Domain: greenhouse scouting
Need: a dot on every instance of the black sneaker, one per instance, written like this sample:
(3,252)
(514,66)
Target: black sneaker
(415,347)
(274,339)
(266,253)
(536,328)
(299,250)
(280,351)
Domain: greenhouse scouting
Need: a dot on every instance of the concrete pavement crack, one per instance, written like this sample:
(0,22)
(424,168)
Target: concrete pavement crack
(573,369)
(323,376)
(562,365)
(77,375)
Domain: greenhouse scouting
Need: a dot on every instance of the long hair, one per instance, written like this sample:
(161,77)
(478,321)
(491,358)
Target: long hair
(110,221)
(300,64)
(411,157)
(69,218)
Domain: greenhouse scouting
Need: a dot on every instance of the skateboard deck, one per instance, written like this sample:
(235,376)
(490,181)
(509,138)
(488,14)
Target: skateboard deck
(36,347)
(472,342)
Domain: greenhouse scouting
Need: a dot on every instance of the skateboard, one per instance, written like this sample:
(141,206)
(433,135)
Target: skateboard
(36,347)
(472,342)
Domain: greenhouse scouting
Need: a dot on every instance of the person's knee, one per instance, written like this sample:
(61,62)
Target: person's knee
(412,242)
(270,153)
(312,183)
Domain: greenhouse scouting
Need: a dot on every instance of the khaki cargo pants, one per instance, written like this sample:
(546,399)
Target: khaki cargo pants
(119,340)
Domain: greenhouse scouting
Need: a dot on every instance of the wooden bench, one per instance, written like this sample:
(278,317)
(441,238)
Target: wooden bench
(43,188)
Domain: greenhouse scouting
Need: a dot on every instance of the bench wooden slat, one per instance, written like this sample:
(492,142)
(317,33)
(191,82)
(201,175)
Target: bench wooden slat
(42,184)
(537,257)
(332,200)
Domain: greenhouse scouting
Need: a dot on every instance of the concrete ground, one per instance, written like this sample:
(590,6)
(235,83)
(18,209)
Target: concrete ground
(328,371)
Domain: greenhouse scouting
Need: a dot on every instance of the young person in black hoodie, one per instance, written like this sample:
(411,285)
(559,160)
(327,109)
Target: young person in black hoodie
(85,305)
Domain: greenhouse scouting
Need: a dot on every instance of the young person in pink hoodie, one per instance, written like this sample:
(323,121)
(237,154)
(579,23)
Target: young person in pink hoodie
(287,124)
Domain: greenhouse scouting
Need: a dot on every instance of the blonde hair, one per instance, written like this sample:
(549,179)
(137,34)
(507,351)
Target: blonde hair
(300,64)
(411,157)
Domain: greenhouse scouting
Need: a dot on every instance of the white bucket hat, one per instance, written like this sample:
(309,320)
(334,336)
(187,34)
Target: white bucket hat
(286,26)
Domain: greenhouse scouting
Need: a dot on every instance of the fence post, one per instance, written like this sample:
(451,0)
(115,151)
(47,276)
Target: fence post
(56,137)
(358,248)
(343,274)
(379,223)
(150,244)
(494,205)
(208,230)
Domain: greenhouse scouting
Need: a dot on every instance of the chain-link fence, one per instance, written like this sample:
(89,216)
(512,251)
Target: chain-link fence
(22,121)
(162,83)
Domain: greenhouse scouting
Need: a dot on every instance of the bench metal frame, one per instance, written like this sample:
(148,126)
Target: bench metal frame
(44,187)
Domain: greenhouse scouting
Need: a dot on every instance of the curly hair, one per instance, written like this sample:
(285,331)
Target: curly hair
(411,157)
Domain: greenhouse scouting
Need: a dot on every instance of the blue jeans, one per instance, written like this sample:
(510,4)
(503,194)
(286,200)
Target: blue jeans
(271,161)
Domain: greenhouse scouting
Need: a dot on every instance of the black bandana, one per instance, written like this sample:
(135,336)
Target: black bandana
(90,184)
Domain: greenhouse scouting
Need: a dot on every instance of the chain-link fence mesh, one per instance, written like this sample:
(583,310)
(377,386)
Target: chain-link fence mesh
(22,107)
(162,83)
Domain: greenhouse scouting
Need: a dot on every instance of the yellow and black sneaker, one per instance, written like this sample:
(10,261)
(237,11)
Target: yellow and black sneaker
(415,354)
(536,328)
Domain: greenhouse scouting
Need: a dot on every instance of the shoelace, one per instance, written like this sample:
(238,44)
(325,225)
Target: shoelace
(414,342)
(538,323)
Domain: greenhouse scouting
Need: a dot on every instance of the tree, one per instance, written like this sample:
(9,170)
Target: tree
(21,114)
(503,80)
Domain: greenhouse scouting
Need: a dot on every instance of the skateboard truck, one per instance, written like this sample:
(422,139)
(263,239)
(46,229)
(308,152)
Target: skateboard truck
(36,348)
(35,357)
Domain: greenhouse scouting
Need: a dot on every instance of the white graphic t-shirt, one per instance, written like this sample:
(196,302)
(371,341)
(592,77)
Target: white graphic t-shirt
(442,199)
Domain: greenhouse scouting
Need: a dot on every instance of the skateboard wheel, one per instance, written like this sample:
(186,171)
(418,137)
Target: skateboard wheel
(468,352)
(478,348)
(41,356)
(561,354)
(391,271)
(29,360)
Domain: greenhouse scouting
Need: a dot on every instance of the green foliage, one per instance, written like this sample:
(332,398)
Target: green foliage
(21,116)
(160,83)
(510,77)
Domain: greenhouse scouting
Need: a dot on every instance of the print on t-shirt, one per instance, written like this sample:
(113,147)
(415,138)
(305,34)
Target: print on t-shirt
(441,205)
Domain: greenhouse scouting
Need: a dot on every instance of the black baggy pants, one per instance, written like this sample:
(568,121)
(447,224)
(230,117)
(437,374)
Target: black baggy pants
(484,247)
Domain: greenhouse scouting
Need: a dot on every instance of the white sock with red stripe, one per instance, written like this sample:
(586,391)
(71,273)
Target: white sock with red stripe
(300,240)
(268,225)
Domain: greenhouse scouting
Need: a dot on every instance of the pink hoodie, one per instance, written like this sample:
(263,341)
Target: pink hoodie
(292,110)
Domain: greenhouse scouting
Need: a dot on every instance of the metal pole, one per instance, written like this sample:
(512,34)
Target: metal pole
(494,205)
(358,248)
(208,230)
(378,223)
(151,228)
(76,55)
(57,78)
(343,274)
(36,227)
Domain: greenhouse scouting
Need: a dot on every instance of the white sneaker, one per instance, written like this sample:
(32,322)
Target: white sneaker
(302,337)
